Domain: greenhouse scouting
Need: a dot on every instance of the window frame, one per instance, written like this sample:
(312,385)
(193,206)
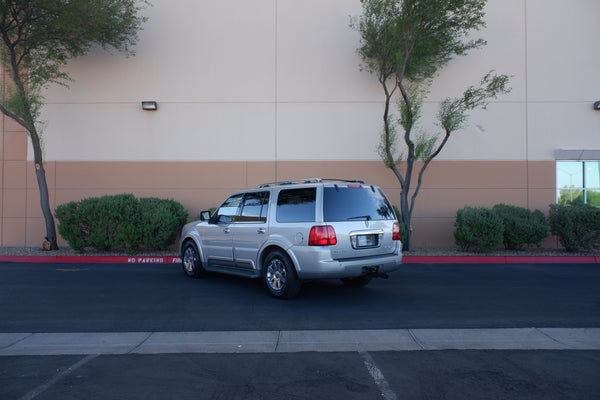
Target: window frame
(584,186)
(282,212)
(264,206)
(234,217)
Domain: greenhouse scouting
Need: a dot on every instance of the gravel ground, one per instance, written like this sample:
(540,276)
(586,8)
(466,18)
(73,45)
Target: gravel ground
(67,251)
(172,251)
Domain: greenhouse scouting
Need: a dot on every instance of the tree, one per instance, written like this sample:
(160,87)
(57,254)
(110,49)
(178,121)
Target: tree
(404,43)
(38,39)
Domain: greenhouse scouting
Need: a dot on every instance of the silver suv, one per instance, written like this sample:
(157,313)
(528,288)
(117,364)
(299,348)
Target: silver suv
(292,231)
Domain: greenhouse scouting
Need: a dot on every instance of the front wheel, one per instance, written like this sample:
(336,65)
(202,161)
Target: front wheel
(190,261)
(279,275)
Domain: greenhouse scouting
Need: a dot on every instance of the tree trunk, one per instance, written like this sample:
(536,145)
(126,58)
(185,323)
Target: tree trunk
(406,217)
(391,163)
(40,174)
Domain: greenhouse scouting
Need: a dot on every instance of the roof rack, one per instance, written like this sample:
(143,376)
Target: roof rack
(309,180)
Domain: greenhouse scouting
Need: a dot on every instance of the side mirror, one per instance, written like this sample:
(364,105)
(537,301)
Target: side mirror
(204,215)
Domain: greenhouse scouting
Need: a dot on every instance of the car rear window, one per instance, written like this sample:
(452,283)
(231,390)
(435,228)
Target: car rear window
(296,205)
(355,203)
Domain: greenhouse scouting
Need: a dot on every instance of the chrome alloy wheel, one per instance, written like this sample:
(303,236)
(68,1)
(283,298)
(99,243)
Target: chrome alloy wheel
(279,275)
(189,260)
(276,274)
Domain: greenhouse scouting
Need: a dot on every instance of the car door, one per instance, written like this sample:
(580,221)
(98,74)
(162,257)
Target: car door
(217,237)
(251,230)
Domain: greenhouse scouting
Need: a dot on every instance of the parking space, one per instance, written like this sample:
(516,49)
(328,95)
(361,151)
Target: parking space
(449,375)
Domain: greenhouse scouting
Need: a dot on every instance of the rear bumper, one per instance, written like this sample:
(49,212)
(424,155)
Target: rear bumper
(326,268)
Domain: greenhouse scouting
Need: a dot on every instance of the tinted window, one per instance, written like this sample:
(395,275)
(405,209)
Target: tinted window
(296,205)
(228,210)
(355,203)
(255,207)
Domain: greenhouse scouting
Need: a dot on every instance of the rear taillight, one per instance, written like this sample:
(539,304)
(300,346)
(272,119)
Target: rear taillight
(396,233)
(322,236)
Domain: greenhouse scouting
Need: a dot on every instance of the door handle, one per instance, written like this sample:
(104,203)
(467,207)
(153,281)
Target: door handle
(261,231)
(226,230)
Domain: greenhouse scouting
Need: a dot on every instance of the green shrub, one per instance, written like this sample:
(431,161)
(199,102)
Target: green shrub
(120,221)
(577,225)
(521,226)
(115,222)
(69,225)
(102,222)
(478,229)
(161,221)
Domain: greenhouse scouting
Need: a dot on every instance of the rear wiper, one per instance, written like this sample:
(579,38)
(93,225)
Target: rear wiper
(367,217)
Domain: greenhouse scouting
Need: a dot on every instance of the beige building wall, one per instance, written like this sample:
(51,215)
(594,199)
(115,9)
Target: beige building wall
(266,90)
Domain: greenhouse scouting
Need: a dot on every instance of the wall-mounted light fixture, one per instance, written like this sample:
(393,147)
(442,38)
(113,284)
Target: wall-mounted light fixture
(149,106)
(597,105)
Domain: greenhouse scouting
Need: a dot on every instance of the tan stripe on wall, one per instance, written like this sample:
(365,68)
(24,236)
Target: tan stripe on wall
(448,186)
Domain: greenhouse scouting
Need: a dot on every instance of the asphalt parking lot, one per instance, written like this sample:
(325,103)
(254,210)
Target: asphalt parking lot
(451,374)
(159,298)
(429,332)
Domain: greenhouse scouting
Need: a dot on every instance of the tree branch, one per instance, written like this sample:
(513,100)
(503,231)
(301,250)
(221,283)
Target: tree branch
(424,167)
(387,133)
(13,116)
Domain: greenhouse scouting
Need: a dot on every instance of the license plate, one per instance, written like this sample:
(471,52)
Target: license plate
(367,240)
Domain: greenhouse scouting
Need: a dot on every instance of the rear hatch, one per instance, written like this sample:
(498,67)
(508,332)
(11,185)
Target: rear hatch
(362,218)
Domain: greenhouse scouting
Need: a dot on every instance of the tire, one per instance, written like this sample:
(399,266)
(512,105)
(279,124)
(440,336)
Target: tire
(358,282)
(190,261)
(279,275)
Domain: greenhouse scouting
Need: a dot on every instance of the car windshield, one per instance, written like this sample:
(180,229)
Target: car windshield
(355,204)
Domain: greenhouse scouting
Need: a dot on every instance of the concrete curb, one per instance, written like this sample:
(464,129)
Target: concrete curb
(406,259)
(33,344)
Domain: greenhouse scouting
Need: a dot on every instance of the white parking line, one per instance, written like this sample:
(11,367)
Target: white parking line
(48,384)
(378,377)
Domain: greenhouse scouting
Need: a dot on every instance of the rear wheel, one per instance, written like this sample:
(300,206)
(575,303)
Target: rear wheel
(359,282)
(190,261)
(279,275)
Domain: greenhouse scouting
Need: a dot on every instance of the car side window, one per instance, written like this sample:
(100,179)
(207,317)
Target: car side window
(228,211)
(296,205)
(255,207)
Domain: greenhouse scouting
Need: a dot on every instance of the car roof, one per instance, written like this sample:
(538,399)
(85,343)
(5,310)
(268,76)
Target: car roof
(308,181)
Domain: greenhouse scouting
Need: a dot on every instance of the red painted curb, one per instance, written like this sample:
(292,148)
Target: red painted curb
(405,259)
(453,259)
(553,259)
(93,259)
(500,259)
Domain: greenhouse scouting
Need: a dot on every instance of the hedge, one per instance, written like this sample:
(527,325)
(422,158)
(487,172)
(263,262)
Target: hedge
(478,229)
(120,221)
(161,221)
(521,226)
(577,225)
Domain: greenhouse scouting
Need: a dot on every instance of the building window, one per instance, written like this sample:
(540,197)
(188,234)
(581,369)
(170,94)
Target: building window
(578,181)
